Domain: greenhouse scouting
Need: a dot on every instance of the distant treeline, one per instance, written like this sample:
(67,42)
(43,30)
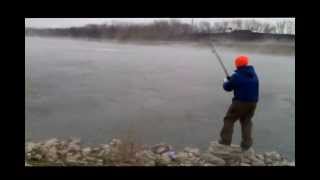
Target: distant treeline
(175,30)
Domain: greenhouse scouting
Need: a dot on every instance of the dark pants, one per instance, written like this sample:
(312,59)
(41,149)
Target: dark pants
(243,111)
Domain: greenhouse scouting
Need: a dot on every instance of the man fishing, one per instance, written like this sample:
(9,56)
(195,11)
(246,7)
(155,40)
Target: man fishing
(245,85)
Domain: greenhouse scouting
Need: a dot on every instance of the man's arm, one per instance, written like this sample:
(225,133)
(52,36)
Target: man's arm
(228,83)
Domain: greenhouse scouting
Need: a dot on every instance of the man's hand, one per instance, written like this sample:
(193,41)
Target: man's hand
(226,79)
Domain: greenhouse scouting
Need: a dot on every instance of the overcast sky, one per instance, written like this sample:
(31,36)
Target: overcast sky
(68,22)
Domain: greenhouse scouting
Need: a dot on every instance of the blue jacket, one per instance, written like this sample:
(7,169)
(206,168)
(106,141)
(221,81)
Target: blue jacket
(244,83)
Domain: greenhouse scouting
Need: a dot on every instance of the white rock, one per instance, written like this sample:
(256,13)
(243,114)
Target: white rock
(250,153)
(99,162)
(162,160)
(259,156)
(225,152)
(268,161)
(30,146)
(181,156)
(62,152)
(74,147)
(276,156)
(172,154)
(258,163)
(86,151)
(115,142)
(212,159)
(51,142)
(96,149)
(207,164)
(245,160)
(52,154)
(273,156)
(75,141)
(292,163)
(72,158)
(193,151)
(161,148)
(244,164)
(106,147)
(37,157)
(215,146)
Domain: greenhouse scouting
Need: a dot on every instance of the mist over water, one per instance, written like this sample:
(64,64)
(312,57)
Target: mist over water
(164,93)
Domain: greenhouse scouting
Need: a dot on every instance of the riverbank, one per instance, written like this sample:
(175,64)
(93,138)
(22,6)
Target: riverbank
(69,152)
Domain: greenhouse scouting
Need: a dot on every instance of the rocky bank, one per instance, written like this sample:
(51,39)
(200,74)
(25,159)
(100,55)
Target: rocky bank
(69,152)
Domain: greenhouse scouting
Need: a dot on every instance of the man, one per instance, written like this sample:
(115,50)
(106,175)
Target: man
(245,85)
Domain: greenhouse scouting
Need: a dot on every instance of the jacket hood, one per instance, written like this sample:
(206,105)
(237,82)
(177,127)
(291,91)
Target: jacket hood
(247,71)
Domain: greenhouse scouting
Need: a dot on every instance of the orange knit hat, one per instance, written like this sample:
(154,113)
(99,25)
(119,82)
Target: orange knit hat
(241,61)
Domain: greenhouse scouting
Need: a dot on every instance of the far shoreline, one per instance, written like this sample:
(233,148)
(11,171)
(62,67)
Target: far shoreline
(272,47)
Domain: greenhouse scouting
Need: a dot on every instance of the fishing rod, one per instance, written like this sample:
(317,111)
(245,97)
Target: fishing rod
(214,51)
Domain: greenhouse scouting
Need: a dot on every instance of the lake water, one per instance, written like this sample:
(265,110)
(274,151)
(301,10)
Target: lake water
(160,93)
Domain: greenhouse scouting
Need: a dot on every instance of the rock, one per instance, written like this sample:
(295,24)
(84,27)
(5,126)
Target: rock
(291,163)
(90,159)
(215,147)
(258,163)
(62,152)
(244,164)
(160,148)
(213,159)
(51,142)
(29,147)
(274,156)
(96,150)
(86,151)
(28,155)
(74,147)
(207,164)
(225,152)
(193,151)
(185,164)
(162,160)
(172,155)
(268,161)
(101,153)
(73,158)
(115,142)
(99,162)
(62,144)
(70,152)
(146,157)
(37,157)
(75,141)
(182,156)
(235,164)
(106,147)
(245,160)
(52,155)
(250,153)
(48,148)
(260,157)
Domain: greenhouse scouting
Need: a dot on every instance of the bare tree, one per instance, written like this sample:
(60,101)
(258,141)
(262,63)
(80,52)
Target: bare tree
(220,27)
(205,27)
(290,27)
(281,25)
(253,25)
(268,28)
(238,23)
